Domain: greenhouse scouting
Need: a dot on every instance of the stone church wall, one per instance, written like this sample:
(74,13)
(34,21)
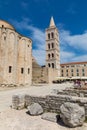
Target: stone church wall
(43,74)
(15,57)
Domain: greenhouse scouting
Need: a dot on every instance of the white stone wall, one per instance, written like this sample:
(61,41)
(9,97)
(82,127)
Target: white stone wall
(24,61)
(15,53)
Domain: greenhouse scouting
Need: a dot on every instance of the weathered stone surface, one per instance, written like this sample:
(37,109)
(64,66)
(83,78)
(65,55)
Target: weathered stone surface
(35,109)
(50,116)
(72,114)
(52,103)
(18,101)
(12,52)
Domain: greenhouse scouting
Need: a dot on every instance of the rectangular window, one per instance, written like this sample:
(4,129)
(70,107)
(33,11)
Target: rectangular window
(62,71)
(72,70)
(28,70)
(10,69)
(82,70)
(83,74)
(62,75)
(67,74)
(66,70)
(72,65)
(77,70)
(77,74)
(62,66)
(22,70)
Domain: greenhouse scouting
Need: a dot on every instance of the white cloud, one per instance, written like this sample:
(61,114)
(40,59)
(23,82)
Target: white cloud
(73,47)
(66,56)
(80,58)
(78,41)
(40,56)
(23,24)
(38,37)
(69,44)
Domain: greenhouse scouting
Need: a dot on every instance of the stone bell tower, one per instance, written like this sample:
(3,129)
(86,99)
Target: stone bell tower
(52,47)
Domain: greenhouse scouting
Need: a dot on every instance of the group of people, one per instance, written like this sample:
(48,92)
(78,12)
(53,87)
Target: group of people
(79,83)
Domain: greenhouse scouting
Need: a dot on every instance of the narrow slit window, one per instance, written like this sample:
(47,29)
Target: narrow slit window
(52,55)
(4,37)
(22,70)
(48,64)
(48,56)
(48,46)
(28,70)
(48,35)
(52,65)
(10,69)
(52,35)
(52,45)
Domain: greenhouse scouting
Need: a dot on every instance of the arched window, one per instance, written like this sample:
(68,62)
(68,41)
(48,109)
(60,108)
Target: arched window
(52,35)
(48,46)
(52,55)
(48,64)
(48,35)
(52,45)
(52,65)
(49,56)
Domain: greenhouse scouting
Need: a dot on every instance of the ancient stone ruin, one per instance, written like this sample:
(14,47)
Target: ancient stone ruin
(71,108)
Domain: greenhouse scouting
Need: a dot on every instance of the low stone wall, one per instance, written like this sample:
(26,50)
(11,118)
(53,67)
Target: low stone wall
(53,103)
(72,92)
(49,103)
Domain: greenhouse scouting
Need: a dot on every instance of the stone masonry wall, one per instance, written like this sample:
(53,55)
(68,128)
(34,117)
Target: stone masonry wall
(15,57)
(49,103)
(53,103)
(72,92)
(42,74)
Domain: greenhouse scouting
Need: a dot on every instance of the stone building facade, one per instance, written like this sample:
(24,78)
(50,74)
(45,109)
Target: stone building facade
(52,47)
(74,69)
(15,56)
(51,70)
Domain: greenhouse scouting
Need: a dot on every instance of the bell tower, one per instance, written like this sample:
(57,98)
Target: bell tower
(52,47)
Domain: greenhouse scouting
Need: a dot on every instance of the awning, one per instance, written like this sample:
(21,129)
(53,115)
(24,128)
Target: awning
(62,78)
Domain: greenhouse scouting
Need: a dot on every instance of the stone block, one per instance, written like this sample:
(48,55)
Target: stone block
(18,101)
(72,114)
(50,116)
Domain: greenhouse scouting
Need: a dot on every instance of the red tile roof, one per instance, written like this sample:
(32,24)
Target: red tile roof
(73,63)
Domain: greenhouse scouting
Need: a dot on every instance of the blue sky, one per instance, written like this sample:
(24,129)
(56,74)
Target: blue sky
(32,17)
